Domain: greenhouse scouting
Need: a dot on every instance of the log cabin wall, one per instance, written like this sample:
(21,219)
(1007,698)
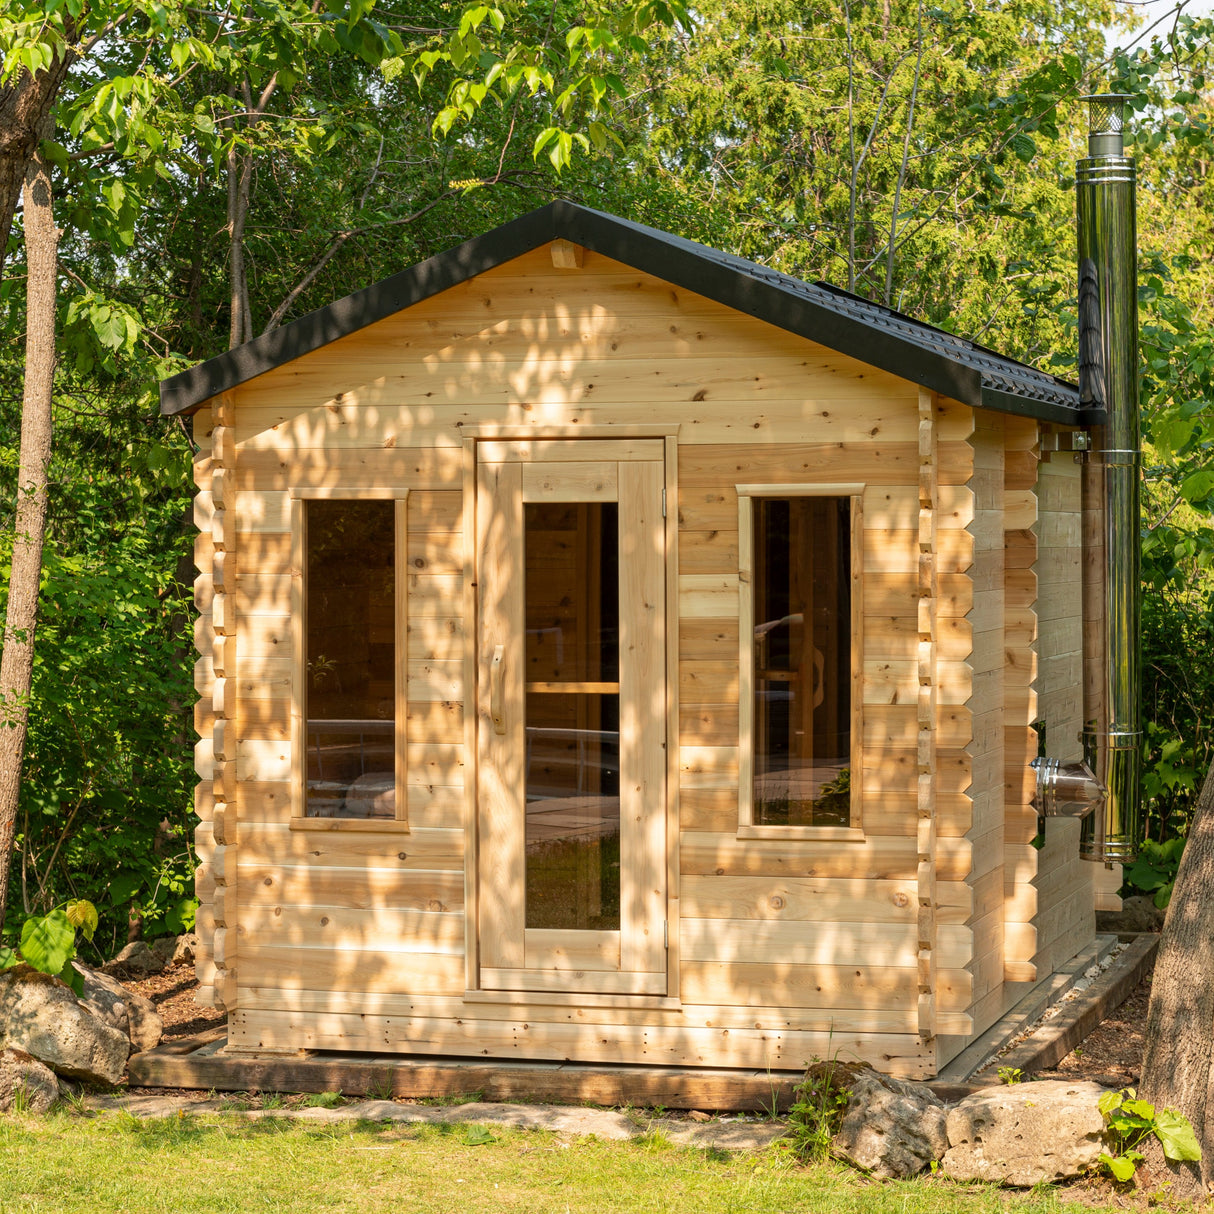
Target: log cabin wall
(782,949)
(987,706)
(1066,886)
(215,641)
(1020,682)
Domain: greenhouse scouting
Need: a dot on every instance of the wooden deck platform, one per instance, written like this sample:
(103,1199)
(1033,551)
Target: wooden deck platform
(203,1062)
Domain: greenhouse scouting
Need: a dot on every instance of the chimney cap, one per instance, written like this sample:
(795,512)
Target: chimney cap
(1106,123)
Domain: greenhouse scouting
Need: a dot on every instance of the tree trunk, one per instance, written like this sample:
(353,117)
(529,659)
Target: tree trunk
(17,660)
(1177,1071)
(240,175)
(25,106)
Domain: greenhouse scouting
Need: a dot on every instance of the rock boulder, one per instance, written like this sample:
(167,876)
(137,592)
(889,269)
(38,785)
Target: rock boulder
(125,1010)
(104,997)
(23,1073)
(891,1128)
(136,958)
(42,1016)
(164,949)
(183,953)
(1137,914)
(1025,1133)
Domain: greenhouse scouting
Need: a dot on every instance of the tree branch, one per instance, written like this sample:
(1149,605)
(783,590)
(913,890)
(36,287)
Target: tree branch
(910,122)
(339,240)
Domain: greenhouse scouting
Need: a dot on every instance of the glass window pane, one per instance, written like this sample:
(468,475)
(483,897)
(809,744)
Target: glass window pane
(351,659)
(802,658)
(572,591)
(573,811)
(572,762)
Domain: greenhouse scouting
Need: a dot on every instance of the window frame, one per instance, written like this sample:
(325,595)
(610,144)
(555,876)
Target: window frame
(747,827)
(299,656)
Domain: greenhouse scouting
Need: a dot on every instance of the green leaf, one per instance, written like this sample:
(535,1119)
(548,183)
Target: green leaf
(1197,486)
(72,977)
(1121,1167)
(83,914)
(1175,1134)
(49,942)
(8,957)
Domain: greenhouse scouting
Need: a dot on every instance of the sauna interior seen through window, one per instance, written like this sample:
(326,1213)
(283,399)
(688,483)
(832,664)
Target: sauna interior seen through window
(349,676)
(572,763)
(802,661)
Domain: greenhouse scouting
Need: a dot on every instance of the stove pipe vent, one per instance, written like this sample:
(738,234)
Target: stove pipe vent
(1108,380)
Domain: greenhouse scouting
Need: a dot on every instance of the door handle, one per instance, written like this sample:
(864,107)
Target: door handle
(497,679)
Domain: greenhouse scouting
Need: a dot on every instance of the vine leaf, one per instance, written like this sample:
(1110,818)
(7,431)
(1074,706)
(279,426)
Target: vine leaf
(47,943)
(1175,1134)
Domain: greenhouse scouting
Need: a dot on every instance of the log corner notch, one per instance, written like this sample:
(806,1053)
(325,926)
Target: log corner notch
(927,713)
(215,839)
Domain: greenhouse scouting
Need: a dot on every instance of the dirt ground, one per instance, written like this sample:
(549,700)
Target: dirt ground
(172,991)
(1112,1053)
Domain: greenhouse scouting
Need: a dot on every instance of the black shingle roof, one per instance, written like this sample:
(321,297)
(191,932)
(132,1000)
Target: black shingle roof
(866,331)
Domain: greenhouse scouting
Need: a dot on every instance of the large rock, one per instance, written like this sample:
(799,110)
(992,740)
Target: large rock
(1137,914)
(164,949)
(43,1017)
(891,1128)
(124,1010)
(183,952)
(136,958)
(105,997)
(23,1073)
(1025,1133)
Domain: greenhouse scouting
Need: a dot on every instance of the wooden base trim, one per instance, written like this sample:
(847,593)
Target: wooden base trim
(203,1063)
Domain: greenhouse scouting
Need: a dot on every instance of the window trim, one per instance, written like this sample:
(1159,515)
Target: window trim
(747,827)
(299,655)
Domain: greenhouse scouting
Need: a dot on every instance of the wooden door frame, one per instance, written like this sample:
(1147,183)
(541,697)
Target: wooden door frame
(472,992)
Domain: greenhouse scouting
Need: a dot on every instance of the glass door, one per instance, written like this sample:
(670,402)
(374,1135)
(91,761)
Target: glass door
(571,716)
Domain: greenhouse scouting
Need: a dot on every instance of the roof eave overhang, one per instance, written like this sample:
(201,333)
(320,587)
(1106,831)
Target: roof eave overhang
(186,391)
(1045,411)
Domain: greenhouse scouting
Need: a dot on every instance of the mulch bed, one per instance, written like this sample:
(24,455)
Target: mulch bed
(1112,1054)
(173,991)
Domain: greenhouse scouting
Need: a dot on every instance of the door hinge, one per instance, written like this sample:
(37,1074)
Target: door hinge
(663,503)
(665,933)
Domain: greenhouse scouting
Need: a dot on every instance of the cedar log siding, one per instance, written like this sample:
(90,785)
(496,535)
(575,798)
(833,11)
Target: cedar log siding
(783,950)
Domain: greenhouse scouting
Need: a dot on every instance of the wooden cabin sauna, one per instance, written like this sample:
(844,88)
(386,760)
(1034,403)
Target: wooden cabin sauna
(614,651)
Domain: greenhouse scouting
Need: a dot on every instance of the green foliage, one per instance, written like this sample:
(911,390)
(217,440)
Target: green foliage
(1154,872)
(323,1100)
(48,942)
(1010,1075)
(819,1103)
(833,803)
(524,51)
(106,801)
(1130,1121)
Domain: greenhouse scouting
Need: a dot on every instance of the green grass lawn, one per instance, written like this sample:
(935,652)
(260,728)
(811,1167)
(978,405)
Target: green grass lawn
(119,1163)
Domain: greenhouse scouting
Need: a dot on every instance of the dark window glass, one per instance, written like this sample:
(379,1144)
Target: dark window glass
(802,657)
(571,592)
(350,679)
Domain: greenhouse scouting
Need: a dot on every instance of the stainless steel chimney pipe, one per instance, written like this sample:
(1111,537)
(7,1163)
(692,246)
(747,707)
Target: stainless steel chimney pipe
(1108,379)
